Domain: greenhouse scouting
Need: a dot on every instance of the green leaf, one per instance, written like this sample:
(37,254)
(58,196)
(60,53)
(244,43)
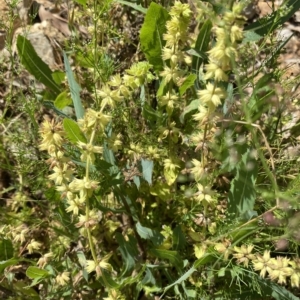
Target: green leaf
(179,240)
(107,280)
(240,234)
(271,22)
(133,279)
(34,64)
(123,195)
(137,181)
(189,81)
(205,259)
(150,114)
(221,272)
(201,45)
(151,34)
(251,36)
(73,131)
(62,100)
(149,278)
(192,106)
(134,6)
(161,89)
(81,2)
(184,277)
(170,255)
(149,234)
(242,190)
(161,190)
(6,249)
(22,288)
(8,263)
(58,76)
(147,169)
(36,273)
(81,258)
(190,293)
(128,251)
(74,89)
(171,175)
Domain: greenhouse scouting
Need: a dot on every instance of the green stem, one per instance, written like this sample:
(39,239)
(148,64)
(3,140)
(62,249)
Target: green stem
(87,204)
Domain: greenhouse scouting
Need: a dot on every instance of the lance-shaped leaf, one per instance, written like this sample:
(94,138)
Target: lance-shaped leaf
(242,191)
(172,256)
(34,64)
(73,131)
(36,273)
(151,34)
(75,89)
(6,249)
(147,168)
(201,45)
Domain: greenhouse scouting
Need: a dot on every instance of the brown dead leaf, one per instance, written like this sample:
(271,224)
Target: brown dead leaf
(56,21)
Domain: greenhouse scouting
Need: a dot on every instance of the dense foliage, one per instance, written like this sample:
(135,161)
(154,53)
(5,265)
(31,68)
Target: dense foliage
(164,179)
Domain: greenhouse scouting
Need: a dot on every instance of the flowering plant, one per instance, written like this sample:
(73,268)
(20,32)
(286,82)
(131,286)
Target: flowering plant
(154,182)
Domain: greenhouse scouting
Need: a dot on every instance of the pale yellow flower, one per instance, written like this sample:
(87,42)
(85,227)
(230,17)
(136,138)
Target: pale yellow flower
(60,174)
(280,269)
(212,95)
(171,39)
(94,118)
(295,277)
(91,220)
(223,54)
(200,250)
(115,142)
(201,115)
(203,195)
(114,295)
(220,247)
(33,245)
(43,261)
(104,262)
(153,152)
(85,183)
(180,9)
(173,25)
(261,263)
(52,134)
(90,266)
(75,204)
(243,254)
(174,74)
(214,71)
(115,80)
(198,170)
(63,278)
(19,234)
(109,97)
(167,53)
(236,33)
(168,99)
(89,150)
(221,34)
(170,164)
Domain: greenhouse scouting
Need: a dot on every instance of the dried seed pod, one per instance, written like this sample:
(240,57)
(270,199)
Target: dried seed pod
(270,219)
(282,245)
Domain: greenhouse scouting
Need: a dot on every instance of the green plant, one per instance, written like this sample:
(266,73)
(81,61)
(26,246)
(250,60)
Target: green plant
(159,185)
